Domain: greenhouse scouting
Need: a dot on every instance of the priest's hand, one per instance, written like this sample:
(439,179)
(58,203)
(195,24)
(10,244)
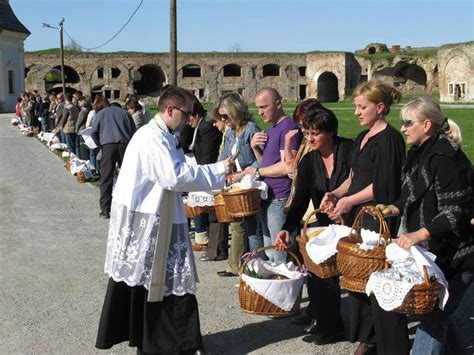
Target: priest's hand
(282,239)
(228,165)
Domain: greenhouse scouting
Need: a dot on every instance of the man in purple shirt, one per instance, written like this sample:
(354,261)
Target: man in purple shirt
(268,148)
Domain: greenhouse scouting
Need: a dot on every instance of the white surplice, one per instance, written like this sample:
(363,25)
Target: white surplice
(152,164)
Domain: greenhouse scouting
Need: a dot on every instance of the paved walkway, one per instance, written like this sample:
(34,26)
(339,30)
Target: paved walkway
(52,248)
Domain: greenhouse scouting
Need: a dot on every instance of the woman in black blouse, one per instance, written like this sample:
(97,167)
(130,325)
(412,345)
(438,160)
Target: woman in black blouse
(376,163)
(321,170)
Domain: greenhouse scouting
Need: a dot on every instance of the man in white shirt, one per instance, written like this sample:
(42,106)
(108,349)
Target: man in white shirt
(150,298)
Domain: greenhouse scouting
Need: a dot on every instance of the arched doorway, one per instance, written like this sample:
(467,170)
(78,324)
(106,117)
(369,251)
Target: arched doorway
(328,88)
(149,80)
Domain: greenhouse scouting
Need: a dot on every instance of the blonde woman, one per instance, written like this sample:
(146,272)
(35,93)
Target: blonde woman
(233,110)
(375,176)
(436,208)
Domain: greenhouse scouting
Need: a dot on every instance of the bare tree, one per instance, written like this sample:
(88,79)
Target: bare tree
(74,45)
(236,47)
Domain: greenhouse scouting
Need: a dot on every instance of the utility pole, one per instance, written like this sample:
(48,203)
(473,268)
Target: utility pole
(61,53)
(173,45)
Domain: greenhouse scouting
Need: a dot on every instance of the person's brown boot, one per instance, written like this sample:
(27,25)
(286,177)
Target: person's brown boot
(199,247)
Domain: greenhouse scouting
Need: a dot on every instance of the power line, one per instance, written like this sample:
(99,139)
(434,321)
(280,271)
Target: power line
(126,23)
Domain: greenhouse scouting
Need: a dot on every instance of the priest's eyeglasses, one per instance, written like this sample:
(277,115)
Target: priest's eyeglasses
(185,113)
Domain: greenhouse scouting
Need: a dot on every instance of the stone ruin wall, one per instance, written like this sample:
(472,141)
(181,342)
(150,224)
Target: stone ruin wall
(328,76)
(456,73)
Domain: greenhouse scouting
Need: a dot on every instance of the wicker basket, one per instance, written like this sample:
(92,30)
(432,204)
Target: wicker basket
(29,134)
(242,203)
(355,264)
(324,270)
(421,299)
(253,303)
(353,284)
(222,213)
(191,212)
(81,177)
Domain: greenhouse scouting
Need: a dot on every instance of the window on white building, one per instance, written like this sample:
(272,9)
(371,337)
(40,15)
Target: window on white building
(11,82)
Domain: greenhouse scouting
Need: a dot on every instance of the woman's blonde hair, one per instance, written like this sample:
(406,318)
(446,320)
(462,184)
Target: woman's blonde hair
(422,109)
(377,91)
(235,107)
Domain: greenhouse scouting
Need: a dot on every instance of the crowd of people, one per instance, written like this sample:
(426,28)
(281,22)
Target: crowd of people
(425,196)
(69,115)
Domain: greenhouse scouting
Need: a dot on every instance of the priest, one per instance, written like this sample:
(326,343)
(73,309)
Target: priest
(150,300)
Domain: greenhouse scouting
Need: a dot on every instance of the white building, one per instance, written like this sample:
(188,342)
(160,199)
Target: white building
(12,64)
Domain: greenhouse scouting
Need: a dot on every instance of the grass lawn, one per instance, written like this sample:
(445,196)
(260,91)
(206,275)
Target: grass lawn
(349,126)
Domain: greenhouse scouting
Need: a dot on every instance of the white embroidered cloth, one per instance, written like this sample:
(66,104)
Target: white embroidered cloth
(248,182)
(282,293)
(201,198)
(78,165)
(324,245)
(390,286)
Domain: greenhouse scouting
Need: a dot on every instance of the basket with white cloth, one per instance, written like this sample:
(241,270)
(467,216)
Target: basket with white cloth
(413,284)
(317,245)
(202,199)
(270,289)
(362,252)
(243,198)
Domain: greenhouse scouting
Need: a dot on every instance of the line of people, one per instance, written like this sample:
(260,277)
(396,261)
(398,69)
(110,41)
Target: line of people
(336,174)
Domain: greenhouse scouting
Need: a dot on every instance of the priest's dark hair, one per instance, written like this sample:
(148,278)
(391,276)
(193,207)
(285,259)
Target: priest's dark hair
(174,96)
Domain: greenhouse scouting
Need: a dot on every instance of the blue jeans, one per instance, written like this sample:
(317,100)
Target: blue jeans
(430,336)
(201,223)
(253,229)
(45,123)
(71,142)
(272,216)
(93,158)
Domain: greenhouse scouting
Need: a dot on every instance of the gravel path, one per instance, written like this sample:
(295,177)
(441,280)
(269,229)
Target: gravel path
(52,249)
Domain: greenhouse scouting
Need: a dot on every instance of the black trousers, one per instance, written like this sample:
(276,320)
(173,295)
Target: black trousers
(112,155)
(325,304)
(218,238)
(372,325)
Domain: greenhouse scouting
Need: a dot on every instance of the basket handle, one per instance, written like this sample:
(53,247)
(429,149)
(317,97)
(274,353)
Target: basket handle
(247,257)
(426,275)
(305,225)
(384,232)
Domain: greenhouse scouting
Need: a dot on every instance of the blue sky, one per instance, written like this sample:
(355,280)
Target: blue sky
(251,25)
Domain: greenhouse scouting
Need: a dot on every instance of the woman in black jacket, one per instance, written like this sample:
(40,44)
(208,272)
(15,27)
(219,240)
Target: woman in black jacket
(321,170)
(436,207)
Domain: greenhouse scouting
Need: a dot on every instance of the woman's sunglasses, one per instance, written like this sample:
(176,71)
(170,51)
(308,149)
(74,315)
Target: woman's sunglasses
(224,117)
(407,123)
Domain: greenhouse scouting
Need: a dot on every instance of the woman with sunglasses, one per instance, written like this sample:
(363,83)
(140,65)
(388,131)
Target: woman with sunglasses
(233,110)
(376,163)
(436,208)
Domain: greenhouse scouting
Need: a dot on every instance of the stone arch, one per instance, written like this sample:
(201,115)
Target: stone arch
(328,88)
(403,72)
(371,50)
(70,74)
(191,71)
(232,70)
(271,69)
(148,80)
(456,79)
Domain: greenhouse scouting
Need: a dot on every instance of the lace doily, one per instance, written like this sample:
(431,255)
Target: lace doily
(200,199)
